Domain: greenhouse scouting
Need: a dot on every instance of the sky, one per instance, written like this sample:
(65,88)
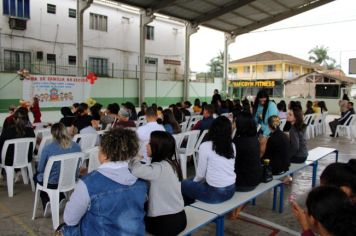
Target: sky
(336,29)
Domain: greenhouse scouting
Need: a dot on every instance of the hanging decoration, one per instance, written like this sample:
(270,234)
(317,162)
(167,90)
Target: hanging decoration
(90,101)
(23,74)
(92,77)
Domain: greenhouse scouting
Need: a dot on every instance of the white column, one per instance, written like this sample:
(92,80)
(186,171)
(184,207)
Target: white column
(82,5)
(145,19)
(189,30)
(229,39)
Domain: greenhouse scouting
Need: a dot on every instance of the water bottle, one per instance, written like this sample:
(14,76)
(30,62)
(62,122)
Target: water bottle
(267,172)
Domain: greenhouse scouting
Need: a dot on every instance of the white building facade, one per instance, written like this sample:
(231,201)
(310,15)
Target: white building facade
(40,35)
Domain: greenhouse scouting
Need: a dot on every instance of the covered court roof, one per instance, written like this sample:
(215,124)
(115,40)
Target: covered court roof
(232,16)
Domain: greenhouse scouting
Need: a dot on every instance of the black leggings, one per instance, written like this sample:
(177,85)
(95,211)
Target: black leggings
(166,225)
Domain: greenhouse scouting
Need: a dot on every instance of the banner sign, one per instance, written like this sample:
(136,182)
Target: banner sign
(261,83)
(56,91)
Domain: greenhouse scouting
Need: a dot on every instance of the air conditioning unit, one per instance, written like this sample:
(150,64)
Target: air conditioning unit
(17,24)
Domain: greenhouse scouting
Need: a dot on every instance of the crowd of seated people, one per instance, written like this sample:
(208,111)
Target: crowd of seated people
(144,163)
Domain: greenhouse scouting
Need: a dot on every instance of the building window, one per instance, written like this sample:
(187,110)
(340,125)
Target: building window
(98,22)
(99,66)
(246,69)
(253,69)
(150,61)
(72,13)
(16,8)
(51,58)
(51,9)
(270,68)
(150,32)
(16,60)
(72,60)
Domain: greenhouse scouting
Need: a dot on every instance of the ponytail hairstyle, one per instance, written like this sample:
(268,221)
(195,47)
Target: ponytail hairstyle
(332,208)
(20,122)
(163,147)
(60,135)
(274,122)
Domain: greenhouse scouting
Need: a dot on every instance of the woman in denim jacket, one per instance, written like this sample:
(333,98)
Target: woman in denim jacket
(110,200)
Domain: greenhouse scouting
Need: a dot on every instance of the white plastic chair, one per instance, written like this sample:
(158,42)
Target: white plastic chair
(21,151)
(188,150)
(183,126)
(44,141)
(69,164)
(346,127)
(85,141)
(93,158)
(39,125)
(141,121)
(318,125)
(196,148)
(42,132)
(282,124)
(308,120)
(191,124)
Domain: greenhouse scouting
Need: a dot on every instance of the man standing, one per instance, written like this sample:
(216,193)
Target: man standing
(216,97)
(344,117)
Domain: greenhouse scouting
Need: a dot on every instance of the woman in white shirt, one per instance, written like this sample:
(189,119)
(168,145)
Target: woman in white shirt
(215,178)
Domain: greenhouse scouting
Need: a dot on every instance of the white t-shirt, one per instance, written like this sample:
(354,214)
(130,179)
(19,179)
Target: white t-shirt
(217,170)
(144,133)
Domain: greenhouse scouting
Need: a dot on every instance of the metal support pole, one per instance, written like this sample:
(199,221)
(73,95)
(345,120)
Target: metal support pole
(82,5)
(144,20)
(189,30)
(229,39)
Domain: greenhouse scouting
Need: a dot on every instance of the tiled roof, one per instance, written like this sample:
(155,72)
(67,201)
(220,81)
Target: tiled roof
(274,56)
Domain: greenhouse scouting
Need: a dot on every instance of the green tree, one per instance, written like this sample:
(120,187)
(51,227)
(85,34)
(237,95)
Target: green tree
(319,55)
(216,65)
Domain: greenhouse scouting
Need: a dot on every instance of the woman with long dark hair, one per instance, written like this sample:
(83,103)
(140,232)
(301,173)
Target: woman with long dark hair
(247,164)
(263,108)
(215,177)
(309,108)
(20,128)
(298,147)
(169,122)
(248,167)
(165,214)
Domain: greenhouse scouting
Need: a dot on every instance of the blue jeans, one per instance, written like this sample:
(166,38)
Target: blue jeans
(202,191)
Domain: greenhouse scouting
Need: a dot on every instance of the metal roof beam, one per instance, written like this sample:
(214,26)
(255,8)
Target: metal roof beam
(279,17)
(221,11)
(260,9)
(159,5)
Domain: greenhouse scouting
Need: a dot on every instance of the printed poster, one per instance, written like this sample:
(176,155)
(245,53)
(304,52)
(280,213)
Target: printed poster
(56,91)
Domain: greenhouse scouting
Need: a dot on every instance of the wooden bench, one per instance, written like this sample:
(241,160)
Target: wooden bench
(237,200)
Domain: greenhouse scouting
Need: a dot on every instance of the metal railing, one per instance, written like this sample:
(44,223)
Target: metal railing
(110,71)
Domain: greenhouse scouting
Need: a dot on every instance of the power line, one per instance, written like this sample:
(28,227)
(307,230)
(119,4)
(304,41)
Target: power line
(305,26)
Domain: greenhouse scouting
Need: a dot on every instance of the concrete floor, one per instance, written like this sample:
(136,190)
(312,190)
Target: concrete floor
(16,212)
